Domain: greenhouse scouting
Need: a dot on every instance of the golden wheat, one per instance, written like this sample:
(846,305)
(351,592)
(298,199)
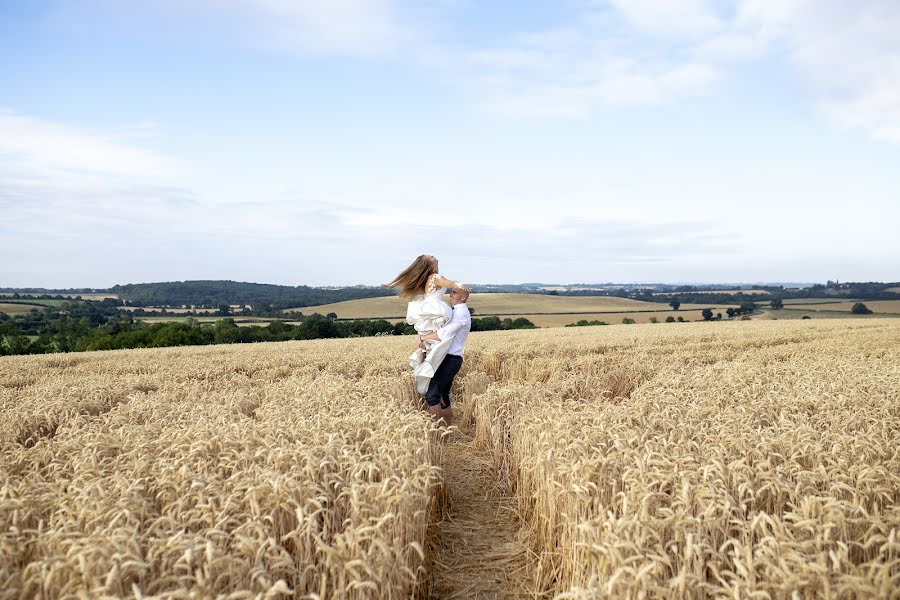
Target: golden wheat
(740,459)
(195,472)
(712,460)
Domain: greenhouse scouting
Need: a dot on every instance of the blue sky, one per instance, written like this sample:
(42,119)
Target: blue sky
(330,142)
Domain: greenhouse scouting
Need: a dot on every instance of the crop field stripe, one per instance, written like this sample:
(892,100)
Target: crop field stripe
(791,301)
(519,314)
(42,304)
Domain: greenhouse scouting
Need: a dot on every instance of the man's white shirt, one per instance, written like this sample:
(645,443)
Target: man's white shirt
(458,328)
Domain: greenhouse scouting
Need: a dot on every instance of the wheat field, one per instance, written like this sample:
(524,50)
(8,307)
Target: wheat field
(247,470)
(728,459)
(504,304)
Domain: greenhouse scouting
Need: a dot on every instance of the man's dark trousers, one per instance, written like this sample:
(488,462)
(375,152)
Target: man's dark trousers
(439,388)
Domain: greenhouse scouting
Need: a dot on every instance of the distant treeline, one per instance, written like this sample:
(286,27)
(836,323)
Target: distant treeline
(833,290)
(664,294)
(268,299)
(81,326)
(215,293)
(25,298)
(48,292)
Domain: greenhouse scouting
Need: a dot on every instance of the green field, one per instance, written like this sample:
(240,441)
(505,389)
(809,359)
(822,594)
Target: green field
(828,308)
(876,306)
(809,301)
(33,302)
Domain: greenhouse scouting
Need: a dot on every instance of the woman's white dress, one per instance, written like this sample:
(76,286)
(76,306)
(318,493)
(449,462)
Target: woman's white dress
(428,313)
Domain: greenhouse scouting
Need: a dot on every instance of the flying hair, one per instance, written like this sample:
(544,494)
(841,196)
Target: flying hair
(412,281)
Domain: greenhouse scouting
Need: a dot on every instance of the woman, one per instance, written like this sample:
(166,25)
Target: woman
(424,287)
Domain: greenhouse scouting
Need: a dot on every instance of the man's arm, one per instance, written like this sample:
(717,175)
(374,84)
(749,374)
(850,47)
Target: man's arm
(441,281)
(444,333)
(460,319)
(450,329)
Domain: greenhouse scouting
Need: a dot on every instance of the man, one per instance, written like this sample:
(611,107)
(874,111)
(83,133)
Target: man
(458,327)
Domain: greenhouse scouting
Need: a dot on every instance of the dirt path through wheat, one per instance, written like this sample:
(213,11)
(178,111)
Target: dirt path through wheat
(478,553)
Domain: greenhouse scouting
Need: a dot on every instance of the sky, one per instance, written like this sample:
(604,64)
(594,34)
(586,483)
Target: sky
(330,142)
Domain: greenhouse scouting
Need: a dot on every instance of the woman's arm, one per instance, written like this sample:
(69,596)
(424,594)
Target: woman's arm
(440,281)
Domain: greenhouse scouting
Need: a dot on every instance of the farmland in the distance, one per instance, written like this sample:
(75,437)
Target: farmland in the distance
(788,301)
(18,309)
(33,302)
(877,306)
(614,318)
(576,307)
(174,311)
(687,294)
(239,321)
(729,459)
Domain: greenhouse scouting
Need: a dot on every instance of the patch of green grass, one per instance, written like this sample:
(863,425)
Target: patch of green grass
(791,313)
(33,301)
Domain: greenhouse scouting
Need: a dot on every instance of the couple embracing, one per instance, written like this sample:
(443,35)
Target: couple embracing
(442,330)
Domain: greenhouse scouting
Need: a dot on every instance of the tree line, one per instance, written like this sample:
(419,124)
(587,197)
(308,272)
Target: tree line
(84,326)
(216,293)
(833,290)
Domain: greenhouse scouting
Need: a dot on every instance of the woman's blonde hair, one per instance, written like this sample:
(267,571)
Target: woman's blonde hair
(413,280)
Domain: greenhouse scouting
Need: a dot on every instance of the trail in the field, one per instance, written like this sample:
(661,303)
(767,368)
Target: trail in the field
(478,553)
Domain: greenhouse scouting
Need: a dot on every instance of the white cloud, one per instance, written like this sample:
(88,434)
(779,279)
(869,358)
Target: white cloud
(542,103)
(142,130)
(41,145)
(569,73)
(660,50)
(614,53)
(573,95)
(102,219)
(689,77)
(57,181)
(848,52)
(669,18)
(358,28)
(732,46)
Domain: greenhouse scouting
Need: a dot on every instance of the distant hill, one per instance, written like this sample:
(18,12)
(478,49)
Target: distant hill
(215,293)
